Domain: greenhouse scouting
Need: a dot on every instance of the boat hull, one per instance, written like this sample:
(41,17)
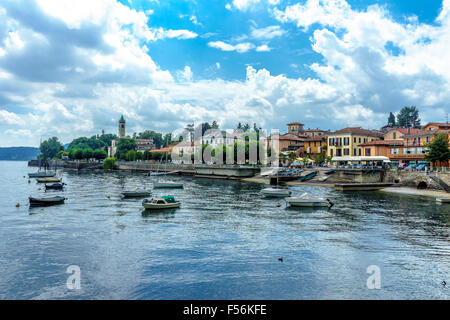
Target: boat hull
(41,175)
(159,206)
(307,202)
(46,201)
(55,186)
(167,185)
(126,194)
(45,180)
(273,193)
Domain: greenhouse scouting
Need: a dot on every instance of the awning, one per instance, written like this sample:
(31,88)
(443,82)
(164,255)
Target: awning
(367,158)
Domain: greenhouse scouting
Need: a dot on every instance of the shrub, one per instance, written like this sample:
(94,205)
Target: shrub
(109,163)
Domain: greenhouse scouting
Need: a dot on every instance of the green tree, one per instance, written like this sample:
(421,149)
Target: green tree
(61,153)
(167,139)
(139,155)
(150,134)
(438,150)
(107,138)
(408,117)
(78,154)
(123,146)
(88,153)
(391,120)
(214,125)
(131,155)
(99,154)
(109,163)
(50,148)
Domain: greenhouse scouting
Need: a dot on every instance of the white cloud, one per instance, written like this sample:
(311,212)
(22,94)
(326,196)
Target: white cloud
(10,118)
(263,48)
(268,33)
(186,74)
(240,47)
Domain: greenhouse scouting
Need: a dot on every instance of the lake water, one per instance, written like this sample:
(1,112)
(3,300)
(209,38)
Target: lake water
(223,243)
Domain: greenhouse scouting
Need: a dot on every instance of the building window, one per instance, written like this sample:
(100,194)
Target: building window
(368,152)
(359,139)
(394,135)
(354,140)
(346,152)
(346,141)
(354,152)
(359,151)
(331,152)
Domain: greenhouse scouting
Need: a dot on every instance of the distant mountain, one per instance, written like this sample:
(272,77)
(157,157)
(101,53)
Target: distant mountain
(18,153)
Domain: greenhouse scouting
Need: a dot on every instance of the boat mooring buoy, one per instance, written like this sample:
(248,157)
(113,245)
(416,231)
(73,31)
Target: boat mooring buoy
(280,259)
(29,181)
(278,204)
(444,283)
(17,205)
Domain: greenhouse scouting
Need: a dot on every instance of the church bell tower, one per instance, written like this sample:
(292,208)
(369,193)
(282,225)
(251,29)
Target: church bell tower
(122,127)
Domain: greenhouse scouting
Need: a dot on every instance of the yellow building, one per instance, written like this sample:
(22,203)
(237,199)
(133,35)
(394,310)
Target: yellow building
(315,145)
(347,141)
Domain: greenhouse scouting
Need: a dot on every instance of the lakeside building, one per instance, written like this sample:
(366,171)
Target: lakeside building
(347,141)
(315,145)
(406,145)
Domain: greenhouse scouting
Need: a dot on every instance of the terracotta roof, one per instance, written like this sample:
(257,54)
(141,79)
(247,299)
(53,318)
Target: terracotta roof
(315,130)
(439,124)
(290,138)
(405,130)
(316,138)
(426,133)
(295,123)
(358,131)
(160,150)
(383,143)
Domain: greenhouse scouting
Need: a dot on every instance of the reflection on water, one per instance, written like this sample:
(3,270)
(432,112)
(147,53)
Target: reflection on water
(222,243)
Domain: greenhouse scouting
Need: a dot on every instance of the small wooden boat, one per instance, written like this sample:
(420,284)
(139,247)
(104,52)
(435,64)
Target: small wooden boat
(167,184)
(41,174)
(329,172)
(47,201)
(322,179)
(275,192)
(309,176)
(54,186)
(49,179)
(135,194)
(305,201)
(165,202)
(155,174)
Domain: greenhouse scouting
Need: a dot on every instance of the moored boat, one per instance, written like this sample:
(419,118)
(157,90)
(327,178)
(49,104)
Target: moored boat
(46,201)
(306,201)
(165,202)
(49,179)
(324,178)
(309,176)
(167,184)
(54,186)
(135,193)
(41,174)
(275,192)
(329,172)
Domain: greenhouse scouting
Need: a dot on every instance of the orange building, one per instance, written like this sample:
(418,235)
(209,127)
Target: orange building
(315,145)
(405,145)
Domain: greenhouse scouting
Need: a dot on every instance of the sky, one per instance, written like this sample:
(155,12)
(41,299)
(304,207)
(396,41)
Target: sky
(72,68)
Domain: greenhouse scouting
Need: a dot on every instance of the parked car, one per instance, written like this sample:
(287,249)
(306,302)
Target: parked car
(402,165)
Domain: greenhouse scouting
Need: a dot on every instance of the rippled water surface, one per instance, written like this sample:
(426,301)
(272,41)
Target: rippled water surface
(223,243)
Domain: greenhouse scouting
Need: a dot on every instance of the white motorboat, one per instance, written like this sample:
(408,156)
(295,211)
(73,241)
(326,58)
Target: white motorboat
(135,193)
(324,178)
(306,201)
(155,174)
(165,202)
(167,184)
(275,192)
